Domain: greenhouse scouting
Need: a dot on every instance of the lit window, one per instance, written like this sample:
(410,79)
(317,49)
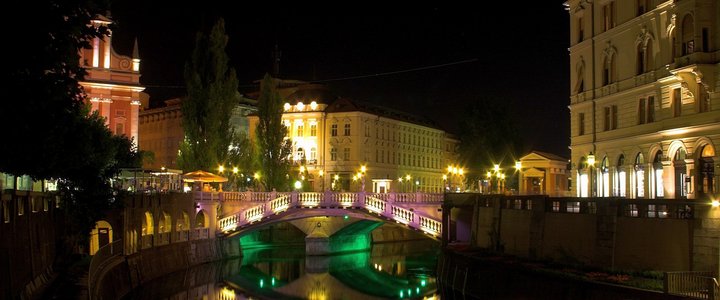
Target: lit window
(333,154)
(300,130)
(346,154)
(313,129)
(347,129)
(333,130)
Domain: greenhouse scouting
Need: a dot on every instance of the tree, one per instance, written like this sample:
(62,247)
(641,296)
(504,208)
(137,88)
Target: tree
(273,149)
(50,133)
(212,94)
(488,136)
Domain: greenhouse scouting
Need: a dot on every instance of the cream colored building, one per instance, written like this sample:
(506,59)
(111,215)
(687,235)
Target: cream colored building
(543,174)
(645,97)
(336,137)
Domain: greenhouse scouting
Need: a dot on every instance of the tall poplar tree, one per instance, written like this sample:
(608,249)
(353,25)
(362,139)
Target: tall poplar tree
(273,149)
(212,93)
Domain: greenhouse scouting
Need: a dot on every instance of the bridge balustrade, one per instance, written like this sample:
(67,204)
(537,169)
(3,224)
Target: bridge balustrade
(310,199)
(233,196)
(394,206)
(146,241)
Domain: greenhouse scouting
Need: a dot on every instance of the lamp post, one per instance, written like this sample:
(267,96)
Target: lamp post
(363,169)
(445,183)
(407,179)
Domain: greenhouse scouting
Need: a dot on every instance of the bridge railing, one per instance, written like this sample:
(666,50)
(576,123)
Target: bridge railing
(699,285)
(395,206)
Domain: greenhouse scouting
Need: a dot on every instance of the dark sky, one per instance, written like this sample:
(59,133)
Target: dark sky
(517,55)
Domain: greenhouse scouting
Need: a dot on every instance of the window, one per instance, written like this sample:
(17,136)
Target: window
(614,119)
(688,35)
(313,153)
(651,109)
(333,130)
(367,130)
(20,207)
(556,206)
(606,72)
(6,211)
(640,66)
(300,129)
(347,129)
(591,207)
(573,207)
(631,210)
(119,128)
(313,129)
(609,15)
(642,7)
(581,123)
(676,102)
(581,29)
(333,154)
(607,118)
(641,111)
(346,154)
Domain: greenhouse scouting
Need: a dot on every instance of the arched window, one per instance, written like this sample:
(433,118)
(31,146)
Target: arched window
(607,72)
(201,219)
(620,178)
(147,226)
(659,188)
(706,171)
(688,35)
(640,65)
(165,223)
(639,176)
(184,223)
(680,173)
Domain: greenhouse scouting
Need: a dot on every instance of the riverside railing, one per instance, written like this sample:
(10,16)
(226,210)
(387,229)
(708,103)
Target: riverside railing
(699,285)
(101,258)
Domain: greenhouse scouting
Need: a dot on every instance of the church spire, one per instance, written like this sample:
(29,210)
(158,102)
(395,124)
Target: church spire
(136,52)
(276,61)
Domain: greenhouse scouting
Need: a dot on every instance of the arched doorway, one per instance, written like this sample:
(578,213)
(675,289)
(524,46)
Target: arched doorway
(201,220)
(639,168)
(680,173)
(100,235)
(604,178)
(583,183)
(659,188)
(706,172)
(620,178)
(165,223)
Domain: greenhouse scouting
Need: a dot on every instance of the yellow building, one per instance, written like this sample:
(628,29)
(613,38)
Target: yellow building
(333,138)
(645,97)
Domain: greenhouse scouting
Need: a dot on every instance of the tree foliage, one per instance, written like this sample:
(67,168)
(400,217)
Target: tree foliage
(273,149)
(48,129)
(212,94)
(488,136)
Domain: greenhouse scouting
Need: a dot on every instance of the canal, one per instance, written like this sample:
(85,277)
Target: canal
(393,270)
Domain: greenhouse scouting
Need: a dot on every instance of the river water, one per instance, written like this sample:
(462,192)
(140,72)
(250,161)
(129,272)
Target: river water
(396,270)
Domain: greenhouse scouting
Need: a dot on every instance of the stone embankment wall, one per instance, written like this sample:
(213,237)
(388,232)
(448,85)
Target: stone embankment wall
(125,273)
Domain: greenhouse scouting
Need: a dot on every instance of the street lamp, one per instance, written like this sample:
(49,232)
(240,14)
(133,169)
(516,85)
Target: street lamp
(445,183)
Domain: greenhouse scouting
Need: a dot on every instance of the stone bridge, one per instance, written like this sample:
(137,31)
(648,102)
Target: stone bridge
(355,214)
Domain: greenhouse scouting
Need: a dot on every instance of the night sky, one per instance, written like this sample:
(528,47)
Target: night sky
(518,55)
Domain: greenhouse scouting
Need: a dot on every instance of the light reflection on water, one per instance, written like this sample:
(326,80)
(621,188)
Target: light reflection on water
(389,271)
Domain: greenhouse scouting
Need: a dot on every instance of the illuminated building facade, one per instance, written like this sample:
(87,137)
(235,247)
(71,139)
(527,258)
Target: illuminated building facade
(333,138)
(161,130)
(113,85)
(645,100)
